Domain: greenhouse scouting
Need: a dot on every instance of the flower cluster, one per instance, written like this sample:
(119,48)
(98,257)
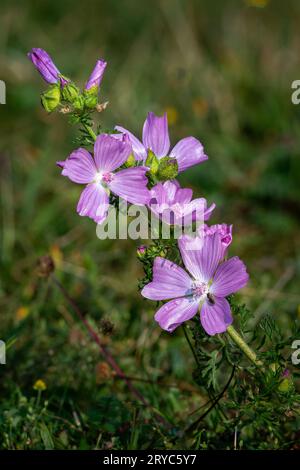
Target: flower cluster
(144,173)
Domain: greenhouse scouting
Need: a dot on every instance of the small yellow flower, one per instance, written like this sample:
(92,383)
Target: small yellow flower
(40,385)
(22,313)
(172,114)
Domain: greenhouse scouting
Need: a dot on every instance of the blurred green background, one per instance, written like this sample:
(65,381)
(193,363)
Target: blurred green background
(223,72)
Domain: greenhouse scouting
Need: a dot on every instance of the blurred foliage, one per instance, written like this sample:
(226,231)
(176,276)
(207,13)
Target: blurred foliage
(223,71)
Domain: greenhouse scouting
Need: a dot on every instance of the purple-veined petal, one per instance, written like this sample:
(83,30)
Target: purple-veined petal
(97,74)
(195,210)
(170,189)
(79,167)
(230,277)
(158,195)
(174,313)
(215,318)
(170,201)
(44,64)
(93,202)
(138,148)
(156,134)
(224,230)
(188,152)
(169,281)
(201,255)
(131,185)
(110,153)
(184,195)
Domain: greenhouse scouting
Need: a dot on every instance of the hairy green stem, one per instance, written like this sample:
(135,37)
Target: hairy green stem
(236,337)
(90,131)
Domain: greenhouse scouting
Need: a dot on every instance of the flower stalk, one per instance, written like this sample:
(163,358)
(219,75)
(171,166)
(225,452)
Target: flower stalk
(236,337)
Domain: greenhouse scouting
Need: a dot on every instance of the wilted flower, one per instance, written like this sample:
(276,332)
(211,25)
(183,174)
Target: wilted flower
(101,179)
(174,204)
(205,289)
(187,152)
(45,65)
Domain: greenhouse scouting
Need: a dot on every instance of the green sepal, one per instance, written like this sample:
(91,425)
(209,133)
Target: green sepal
(130,162)
(152,162)
(79,102)
(51,98)
(70,92)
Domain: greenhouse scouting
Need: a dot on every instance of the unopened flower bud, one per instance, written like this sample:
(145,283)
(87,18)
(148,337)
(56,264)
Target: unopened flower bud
(51,98)
(90,100)
(70,92)
(44,64)
(95,78)
(286,384)
(141,251)
(78,103)
(167,169)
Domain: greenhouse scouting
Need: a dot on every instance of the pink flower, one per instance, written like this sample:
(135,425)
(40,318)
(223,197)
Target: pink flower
(174,204)
(99,175)
(204,289)
(188,151)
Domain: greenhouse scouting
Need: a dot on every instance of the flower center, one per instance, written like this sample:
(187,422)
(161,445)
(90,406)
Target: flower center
(200,289)
(107,177)
(103,178)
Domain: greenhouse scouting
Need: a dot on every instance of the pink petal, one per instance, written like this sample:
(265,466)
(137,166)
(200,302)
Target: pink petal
(79,167)
(230,277)
(184,196)
(158,195)
(110,153)
(138,149)
(156,134)
(195,210)
(224,230)
(169,281)
(201,255)
(208,212)
(174,313)
(94,202)
(215,318)
(188,152)
(131,185)
(170,189)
